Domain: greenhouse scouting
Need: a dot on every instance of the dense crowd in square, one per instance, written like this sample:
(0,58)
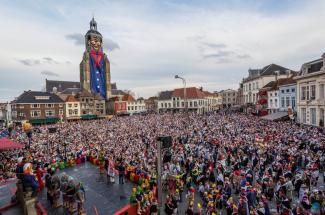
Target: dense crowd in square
(221,163)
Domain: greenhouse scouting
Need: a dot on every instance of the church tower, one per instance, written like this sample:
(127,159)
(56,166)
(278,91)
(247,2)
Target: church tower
(95,74)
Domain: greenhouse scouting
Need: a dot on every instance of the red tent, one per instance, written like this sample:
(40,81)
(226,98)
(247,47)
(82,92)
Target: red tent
(7,144)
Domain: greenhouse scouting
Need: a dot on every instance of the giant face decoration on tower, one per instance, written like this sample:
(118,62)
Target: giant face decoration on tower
(95,43)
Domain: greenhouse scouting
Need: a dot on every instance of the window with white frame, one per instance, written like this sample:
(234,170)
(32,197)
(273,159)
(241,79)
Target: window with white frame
(303,93)
(271,103)
(287,101)
(49,105)
(35,113)
(321,91)
(60,112)
(304,115)
(70,112)
(313,116)
(282,102)
(312,92)
(293,102)
(49,112)
(35,105)
(321,116)
(70,105)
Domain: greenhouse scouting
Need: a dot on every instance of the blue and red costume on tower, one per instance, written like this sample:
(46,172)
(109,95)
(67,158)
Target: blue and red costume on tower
(97,73)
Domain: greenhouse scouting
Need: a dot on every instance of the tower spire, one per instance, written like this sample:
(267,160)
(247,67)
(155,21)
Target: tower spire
(93,24)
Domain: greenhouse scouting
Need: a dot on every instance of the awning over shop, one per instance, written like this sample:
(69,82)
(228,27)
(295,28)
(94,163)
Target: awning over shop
(89,116)
(275,116)
(7,144)
(73,118)
(44,120)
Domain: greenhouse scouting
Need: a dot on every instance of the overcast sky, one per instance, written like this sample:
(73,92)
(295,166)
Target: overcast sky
(212,43)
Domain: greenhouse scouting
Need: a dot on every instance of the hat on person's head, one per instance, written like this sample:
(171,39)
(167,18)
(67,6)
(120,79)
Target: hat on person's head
(20,159)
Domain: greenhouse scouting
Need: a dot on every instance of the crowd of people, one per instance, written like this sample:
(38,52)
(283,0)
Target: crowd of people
(220,163)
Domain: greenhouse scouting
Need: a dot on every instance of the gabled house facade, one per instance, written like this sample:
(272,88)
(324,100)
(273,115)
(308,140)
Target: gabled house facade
(135,106)
(229,97)
(72,108)
(288,95)
(311,93)
(258,78)
(91,104)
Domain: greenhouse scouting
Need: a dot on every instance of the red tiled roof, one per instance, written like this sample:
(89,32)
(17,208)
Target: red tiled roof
(70,98)
(128,97)
(191,93)
(285,81)
(208,93)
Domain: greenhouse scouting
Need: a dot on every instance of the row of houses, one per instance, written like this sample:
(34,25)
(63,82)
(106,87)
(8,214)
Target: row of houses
(44,107)
(196,100)
(278,91)
(64,100)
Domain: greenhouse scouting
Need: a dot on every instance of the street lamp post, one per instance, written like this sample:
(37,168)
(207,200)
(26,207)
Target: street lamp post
(185,97)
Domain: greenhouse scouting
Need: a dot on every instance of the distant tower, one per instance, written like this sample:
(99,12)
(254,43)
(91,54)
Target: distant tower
(95,74)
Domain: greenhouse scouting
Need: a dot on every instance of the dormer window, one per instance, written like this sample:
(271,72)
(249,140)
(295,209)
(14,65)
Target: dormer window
(42,97)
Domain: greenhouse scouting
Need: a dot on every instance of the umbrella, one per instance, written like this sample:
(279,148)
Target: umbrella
(7,144)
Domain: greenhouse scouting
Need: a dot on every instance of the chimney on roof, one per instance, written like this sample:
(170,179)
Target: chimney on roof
(288,72)
(276,75)
(201,89)
(276,78)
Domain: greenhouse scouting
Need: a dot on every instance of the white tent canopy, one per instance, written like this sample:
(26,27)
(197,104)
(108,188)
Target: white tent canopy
(275,116)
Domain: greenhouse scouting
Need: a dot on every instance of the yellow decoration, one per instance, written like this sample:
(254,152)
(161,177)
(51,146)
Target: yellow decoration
(27,126)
